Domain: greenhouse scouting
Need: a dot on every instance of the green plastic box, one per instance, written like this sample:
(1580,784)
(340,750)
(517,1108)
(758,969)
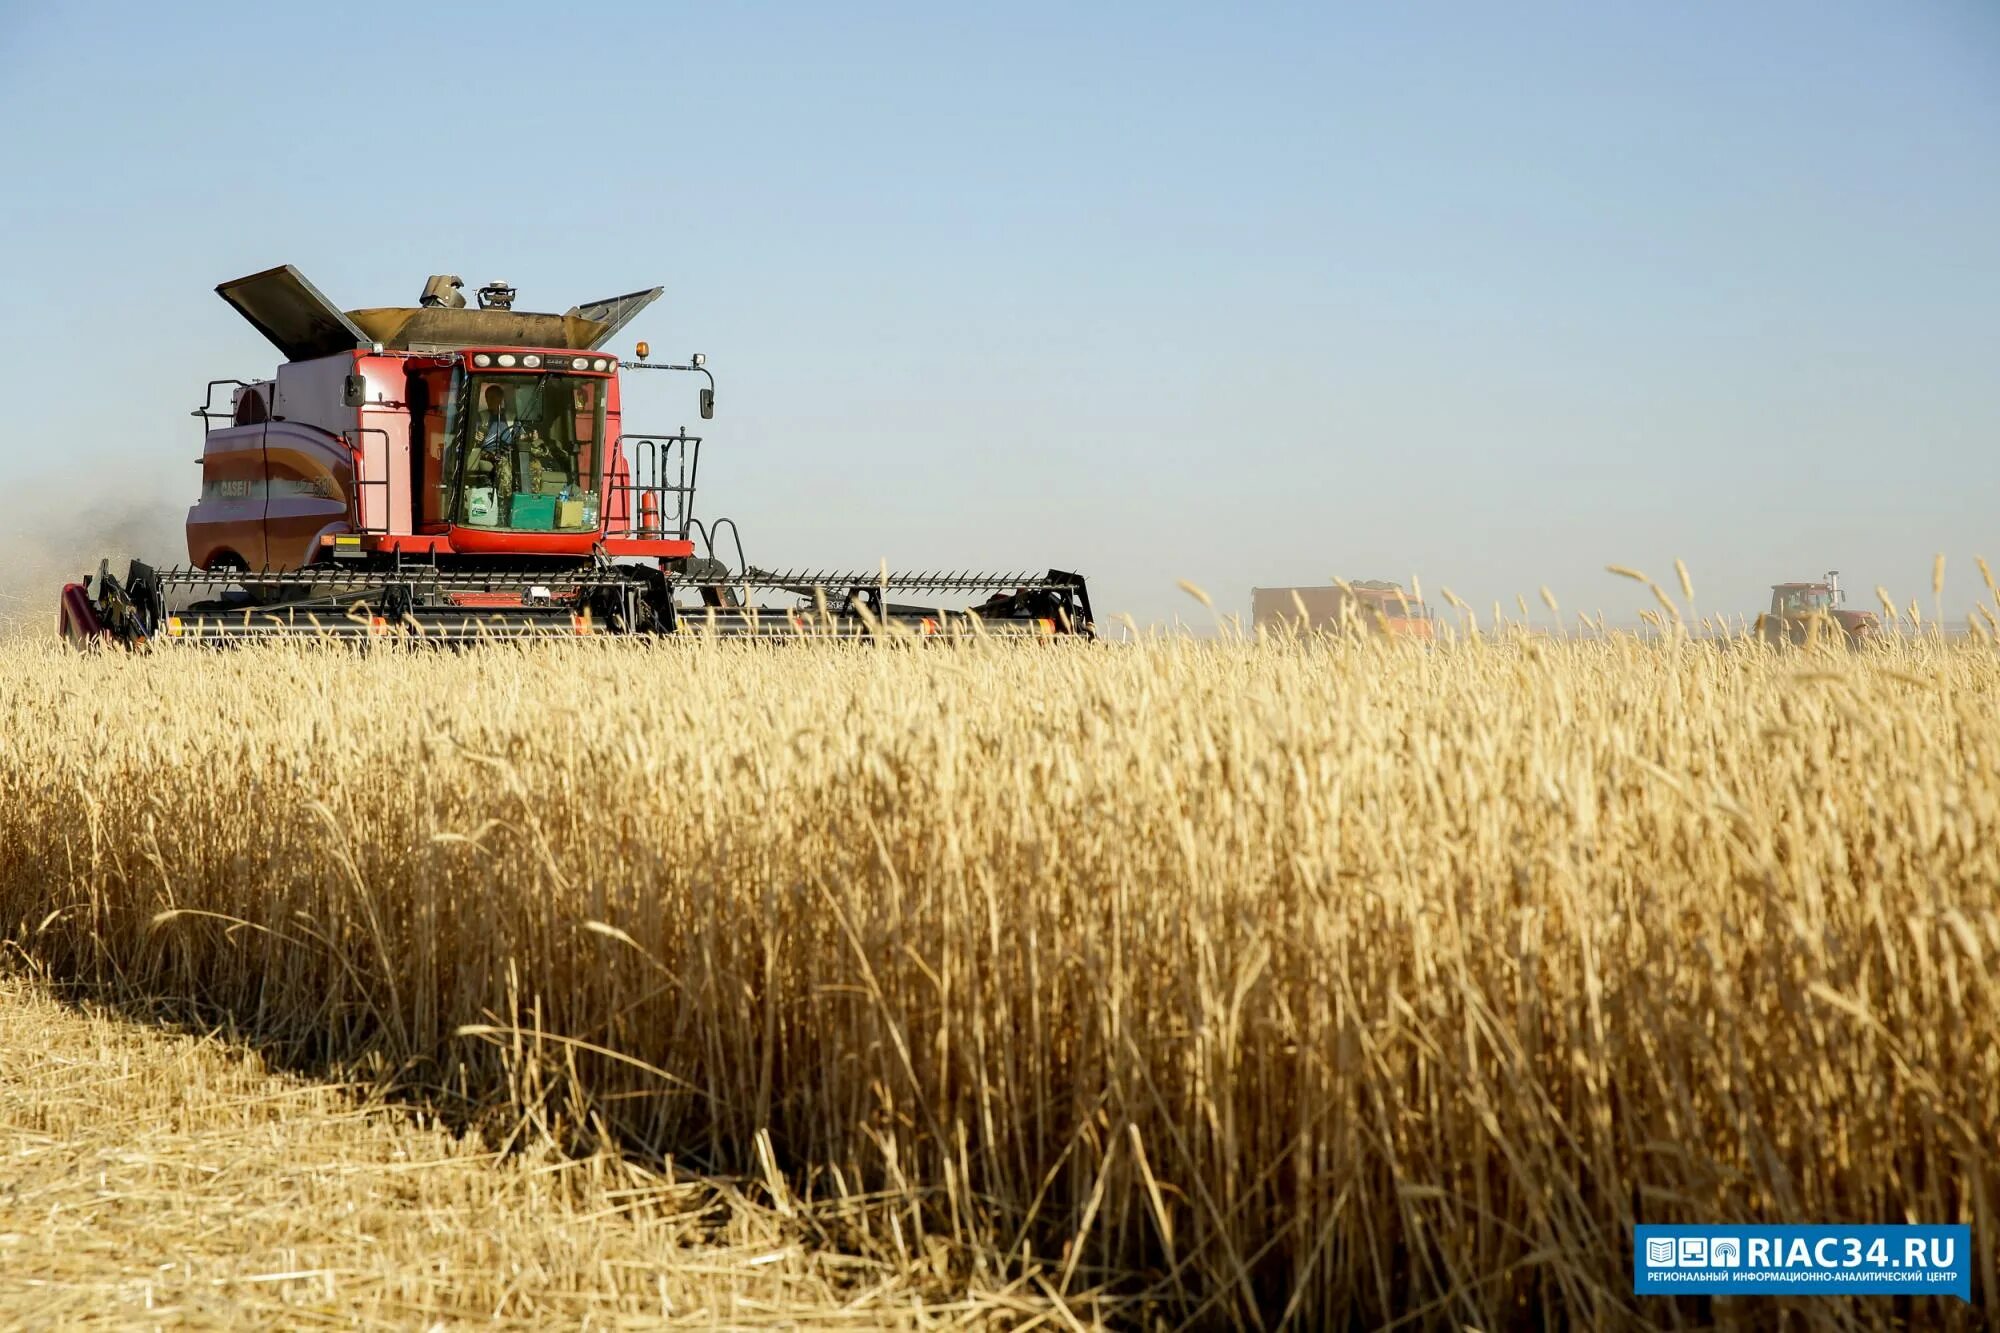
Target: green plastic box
(533,511)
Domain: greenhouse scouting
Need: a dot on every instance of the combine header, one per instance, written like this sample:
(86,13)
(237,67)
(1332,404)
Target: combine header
(464,474)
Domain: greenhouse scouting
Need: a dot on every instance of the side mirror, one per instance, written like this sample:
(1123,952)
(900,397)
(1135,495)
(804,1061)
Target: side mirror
(354,393)
(708,404)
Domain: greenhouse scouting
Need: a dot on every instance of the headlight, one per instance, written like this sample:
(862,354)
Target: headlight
(600,364)
(481,359)
(531,361)
(504,359)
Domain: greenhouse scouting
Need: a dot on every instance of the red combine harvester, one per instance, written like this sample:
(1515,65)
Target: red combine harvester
(464,474)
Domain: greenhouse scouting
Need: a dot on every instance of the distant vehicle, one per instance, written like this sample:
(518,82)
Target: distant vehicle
(1368,606)
(1797,609)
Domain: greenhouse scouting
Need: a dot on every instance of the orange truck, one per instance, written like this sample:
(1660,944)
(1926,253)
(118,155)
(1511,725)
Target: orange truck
(1368,606)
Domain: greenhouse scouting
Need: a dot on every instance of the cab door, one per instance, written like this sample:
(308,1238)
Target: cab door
(433,398)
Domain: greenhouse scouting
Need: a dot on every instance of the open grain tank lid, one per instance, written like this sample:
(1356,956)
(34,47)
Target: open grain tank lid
(300,322)
(428,329)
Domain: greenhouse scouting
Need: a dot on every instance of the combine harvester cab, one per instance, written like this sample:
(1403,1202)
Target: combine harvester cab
(464,474)
(1802,612)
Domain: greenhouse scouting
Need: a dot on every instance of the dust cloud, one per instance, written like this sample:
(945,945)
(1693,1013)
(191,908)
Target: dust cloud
(48,550)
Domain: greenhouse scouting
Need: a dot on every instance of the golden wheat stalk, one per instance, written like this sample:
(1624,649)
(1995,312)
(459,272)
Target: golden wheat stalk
(1302,979)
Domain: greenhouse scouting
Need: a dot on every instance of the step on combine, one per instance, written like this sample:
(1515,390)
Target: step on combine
(464,474)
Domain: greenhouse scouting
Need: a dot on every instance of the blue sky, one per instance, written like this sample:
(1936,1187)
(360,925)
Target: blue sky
(1496,295)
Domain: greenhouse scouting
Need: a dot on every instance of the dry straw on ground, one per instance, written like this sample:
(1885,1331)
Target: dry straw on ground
(153,1179)
(1307,985)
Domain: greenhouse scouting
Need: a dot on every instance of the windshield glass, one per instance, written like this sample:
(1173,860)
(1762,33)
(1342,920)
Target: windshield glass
(529,453)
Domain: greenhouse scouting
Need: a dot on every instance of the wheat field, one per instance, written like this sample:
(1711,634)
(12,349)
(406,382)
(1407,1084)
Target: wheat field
(1188,982)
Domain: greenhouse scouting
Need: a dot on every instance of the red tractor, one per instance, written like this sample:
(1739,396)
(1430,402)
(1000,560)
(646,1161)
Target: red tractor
(1801,611)
(465,473)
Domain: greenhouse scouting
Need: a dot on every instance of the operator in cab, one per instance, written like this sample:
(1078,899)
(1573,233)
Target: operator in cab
(495,436)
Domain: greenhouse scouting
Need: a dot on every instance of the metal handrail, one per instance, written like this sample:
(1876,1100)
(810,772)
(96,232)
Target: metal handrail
(714,530)
(708,535)
(356,510)
(207,411)
(662,467)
